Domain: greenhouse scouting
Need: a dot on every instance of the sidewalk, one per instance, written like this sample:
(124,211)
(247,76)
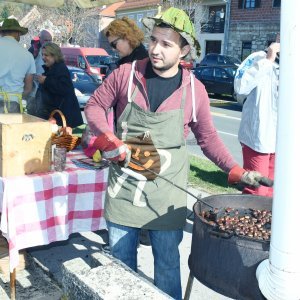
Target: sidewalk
(41,279)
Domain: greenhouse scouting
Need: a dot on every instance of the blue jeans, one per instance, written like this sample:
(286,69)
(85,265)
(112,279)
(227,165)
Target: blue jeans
(123,241)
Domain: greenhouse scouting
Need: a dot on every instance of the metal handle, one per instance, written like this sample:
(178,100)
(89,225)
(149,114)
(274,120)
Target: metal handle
(171,182)
(265,181)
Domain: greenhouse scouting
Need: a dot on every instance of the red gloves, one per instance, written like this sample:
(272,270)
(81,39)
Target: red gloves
(111,147)
(252,178)
(235,174)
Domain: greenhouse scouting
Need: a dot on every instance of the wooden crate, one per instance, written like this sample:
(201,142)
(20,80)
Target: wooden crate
(25,145)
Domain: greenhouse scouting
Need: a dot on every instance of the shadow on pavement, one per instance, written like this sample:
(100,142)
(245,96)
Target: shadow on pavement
(225,102)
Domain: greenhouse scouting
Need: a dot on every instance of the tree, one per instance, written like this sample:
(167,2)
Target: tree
(68,23)
(77,25)
(10,9)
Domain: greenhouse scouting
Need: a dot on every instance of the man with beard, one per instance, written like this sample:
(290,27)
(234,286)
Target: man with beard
(157,103)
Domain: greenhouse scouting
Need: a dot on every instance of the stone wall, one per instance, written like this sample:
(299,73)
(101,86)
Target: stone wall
(258,33)
(106,279)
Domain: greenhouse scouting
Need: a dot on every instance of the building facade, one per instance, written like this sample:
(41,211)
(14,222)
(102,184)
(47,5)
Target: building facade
(210,23)
(138,9)
(232,27)
(253,26)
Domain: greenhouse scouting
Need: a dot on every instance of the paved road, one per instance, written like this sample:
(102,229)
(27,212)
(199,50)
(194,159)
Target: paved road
(226,116)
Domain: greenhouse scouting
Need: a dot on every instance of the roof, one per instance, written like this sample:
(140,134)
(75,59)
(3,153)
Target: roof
(110,11)
(131,4)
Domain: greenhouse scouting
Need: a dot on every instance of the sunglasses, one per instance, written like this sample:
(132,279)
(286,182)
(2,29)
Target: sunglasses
(114,43)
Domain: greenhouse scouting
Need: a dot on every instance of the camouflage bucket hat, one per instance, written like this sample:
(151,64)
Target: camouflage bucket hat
(181,23)
(13,25)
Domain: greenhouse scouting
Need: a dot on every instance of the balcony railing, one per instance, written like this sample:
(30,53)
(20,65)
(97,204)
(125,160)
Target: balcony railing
(213,27)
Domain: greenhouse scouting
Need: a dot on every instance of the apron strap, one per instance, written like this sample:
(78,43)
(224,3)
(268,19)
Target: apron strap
(183,98)
(193,96)
(6,100)
(131,98)
(130,81)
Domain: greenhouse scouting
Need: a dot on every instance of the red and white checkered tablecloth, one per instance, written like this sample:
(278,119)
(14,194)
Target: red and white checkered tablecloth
(42,208)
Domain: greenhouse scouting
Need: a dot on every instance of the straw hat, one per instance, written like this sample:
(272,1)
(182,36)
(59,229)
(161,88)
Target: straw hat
(13,25)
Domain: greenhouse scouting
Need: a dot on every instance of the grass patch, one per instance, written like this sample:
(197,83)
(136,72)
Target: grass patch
(205,175)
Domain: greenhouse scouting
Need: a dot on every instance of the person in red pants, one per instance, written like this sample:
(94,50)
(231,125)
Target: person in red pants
(257,79)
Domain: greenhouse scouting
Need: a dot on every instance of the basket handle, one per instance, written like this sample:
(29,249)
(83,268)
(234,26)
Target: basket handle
(61,116)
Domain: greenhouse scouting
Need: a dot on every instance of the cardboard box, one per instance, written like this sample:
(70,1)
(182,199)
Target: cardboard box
(25,145)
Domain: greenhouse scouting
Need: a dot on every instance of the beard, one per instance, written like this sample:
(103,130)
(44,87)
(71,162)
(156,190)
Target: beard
(165,67)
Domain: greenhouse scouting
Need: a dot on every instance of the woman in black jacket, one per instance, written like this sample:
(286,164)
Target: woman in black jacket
(56,88)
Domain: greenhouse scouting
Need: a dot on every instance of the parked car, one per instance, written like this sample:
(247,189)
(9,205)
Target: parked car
(92,60)
(213,59)
(84,85)
(217,79)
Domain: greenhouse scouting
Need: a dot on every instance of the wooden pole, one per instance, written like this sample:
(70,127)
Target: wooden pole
(13,284)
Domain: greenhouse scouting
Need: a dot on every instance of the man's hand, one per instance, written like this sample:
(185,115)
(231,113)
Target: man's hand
(251,178)
(112,148)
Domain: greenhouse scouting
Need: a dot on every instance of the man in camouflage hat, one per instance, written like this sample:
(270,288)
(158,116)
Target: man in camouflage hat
(157,103)
(17,67)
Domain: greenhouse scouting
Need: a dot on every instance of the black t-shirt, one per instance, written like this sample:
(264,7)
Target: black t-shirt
(159,88)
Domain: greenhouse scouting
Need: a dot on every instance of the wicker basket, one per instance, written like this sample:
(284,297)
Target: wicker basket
(64,140)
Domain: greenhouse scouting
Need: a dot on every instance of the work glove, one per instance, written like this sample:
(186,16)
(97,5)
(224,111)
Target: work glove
(111,147)
(250,178)
(87,141)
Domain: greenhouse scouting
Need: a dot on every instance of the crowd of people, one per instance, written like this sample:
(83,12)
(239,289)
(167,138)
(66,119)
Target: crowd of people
(155,104)
(39,75)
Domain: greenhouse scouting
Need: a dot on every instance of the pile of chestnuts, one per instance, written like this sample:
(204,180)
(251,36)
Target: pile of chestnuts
(251,223)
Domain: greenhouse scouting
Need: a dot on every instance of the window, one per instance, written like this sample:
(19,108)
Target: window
(246,49)
(207,72)
(219,73)
(213,47)
(81,62)
(81,76)
(276,3)
(249,4)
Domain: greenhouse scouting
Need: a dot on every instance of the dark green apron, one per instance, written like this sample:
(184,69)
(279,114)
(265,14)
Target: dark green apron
(151,204)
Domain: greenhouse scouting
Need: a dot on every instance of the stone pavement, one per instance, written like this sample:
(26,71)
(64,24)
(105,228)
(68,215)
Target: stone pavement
(42,277)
